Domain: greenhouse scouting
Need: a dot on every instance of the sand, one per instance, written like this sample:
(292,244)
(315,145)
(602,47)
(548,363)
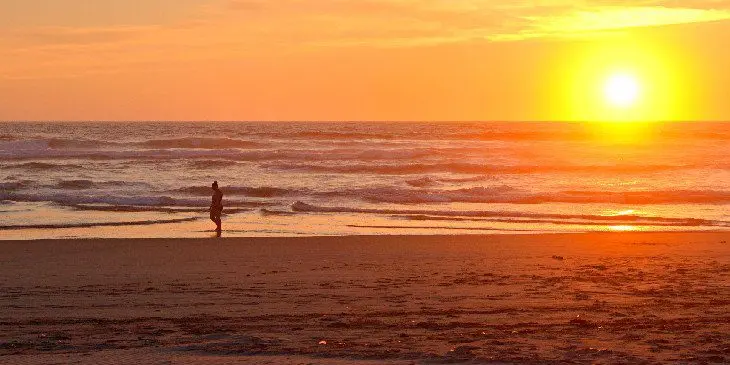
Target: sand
(581,298)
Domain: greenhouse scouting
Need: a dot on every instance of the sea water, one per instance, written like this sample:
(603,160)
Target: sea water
(152,179)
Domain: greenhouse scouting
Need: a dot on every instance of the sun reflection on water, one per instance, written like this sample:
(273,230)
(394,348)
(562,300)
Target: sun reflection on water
(624,228)
(625,212)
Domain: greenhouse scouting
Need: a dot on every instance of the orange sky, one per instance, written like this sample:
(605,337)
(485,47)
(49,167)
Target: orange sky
(360,59)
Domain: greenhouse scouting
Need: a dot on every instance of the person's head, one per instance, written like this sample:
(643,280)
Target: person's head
(215,185)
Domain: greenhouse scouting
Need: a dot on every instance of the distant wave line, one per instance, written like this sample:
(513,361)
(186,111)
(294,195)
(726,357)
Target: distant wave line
(478,168)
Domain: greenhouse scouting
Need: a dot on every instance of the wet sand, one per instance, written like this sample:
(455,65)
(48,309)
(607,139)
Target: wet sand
(582,298)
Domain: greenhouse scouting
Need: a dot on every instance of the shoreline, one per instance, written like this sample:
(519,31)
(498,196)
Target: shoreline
(513,234)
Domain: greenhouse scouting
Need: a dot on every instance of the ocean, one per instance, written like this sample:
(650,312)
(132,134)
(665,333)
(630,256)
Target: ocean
(152,179)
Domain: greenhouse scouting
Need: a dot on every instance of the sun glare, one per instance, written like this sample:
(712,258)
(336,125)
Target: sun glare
(622,90)
(624,80)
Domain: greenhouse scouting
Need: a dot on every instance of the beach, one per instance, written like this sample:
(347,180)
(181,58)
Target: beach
(583,298)
(337,182)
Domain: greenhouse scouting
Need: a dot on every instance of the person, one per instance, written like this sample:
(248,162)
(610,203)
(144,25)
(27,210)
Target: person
(216,206)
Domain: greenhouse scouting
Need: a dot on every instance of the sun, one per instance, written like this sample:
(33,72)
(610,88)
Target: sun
(622,90)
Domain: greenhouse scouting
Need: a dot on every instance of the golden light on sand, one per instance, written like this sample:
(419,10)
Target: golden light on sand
(622,90)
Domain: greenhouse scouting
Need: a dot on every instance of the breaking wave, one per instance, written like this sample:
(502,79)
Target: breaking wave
(160,209)
(258,192)
(425,192)
(508,194)
(491,194)
(39,144)
(42,166)
(70,199)
(433,181)
(76,184)
(514,217)
(15,185)
(82,184)
(198,143)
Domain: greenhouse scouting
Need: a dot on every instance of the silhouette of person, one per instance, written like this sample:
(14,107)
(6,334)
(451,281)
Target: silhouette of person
(216,207)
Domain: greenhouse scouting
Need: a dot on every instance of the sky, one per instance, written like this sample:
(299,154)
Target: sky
(362,59)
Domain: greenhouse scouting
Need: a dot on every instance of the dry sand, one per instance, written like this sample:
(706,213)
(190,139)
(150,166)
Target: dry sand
(583,298)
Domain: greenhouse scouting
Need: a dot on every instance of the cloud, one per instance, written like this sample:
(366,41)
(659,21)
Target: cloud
(603,19)
(237,29)
(295,23)
(394,23)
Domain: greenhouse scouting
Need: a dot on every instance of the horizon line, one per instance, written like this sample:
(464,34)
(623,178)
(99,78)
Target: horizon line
(349,121)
